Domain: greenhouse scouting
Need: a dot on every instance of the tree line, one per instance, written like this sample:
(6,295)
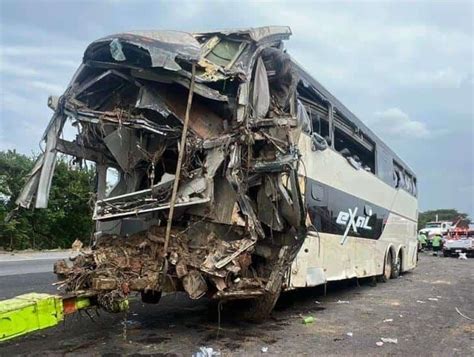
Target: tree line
(69,212)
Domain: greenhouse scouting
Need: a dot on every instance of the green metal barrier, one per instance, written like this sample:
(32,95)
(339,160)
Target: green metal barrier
(29,312)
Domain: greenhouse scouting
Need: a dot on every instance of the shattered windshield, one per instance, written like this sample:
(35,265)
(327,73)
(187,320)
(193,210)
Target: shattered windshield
(223,52)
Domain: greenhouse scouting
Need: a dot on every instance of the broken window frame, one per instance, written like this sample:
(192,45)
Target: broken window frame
(211,44)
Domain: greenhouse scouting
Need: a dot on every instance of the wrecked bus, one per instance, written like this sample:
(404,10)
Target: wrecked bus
(239,175)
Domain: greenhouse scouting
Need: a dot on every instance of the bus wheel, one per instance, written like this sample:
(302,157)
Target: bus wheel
(151,296)
(387,269)
(396,267)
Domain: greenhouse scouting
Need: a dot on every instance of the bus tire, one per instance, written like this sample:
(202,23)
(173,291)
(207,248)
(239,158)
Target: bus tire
(387,268)
(396,267)
(151,296)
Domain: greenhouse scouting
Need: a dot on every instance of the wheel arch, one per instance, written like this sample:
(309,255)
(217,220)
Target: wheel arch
(391,250)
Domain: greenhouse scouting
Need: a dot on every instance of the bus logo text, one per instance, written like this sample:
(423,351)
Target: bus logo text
(349,219)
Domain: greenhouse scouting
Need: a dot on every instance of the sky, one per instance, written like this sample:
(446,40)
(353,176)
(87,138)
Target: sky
(405,68)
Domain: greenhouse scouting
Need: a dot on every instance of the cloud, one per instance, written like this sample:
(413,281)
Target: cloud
(396,123)
(46,86)
(444,78)
(16,70)
(34,50)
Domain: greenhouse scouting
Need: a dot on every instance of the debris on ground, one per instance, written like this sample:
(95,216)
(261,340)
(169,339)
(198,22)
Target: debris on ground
(388,320)
(206,352)
(421,301)
(389,340)
(76,245)
(350,334)
(264,349)
(342,302)
(379,343)
(466,317)
(433,299)
(308,320)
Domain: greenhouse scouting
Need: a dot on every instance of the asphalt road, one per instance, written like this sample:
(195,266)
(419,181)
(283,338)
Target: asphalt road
(418,310)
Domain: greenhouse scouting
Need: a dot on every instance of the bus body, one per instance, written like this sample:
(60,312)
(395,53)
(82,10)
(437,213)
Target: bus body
(377,188)
(239,175)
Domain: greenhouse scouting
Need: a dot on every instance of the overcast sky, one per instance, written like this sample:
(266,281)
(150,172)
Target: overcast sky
(404,68)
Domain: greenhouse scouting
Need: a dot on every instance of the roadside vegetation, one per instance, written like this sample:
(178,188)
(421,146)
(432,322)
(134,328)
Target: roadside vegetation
(451,215)
(68,216)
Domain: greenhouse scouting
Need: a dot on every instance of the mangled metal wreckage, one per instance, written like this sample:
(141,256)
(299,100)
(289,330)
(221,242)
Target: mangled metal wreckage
(203,130)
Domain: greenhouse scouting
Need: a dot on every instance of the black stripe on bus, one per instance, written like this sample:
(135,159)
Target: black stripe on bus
(325,204)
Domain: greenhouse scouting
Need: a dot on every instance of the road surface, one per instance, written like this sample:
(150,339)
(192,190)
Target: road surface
(418,310)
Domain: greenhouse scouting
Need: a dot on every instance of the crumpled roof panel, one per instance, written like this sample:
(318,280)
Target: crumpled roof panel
(163,47)
(257,34)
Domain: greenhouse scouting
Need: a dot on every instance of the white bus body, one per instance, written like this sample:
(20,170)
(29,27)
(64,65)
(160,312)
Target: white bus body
(323,257)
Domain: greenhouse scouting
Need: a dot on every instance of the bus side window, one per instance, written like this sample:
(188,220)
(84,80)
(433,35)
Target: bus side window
(317,192)
(358,155)
(303,118)
(398,176)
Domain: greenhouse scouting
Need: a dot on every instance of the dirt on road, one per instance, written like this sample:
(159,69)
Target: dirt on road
(417,311)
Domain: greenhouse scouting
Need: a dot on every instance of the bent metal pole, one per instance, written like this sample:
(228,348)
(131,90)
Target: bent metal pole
(178,167)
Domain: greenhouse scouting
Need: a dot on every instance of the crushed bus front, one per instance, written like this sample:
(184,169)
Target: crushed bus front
(239,214)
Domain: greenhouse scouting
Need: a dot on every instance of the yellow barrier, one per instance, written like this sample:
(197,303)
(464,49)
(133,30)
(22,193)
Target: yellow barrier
(29,312)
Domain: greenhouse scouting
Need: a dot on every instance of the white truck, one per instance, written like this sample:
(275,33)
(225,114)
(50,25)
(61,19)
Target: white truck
(434,228)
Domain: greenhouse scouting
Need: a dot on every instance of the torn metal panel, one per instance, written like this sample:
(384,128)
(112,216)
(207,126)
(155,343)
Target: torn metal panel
(202,121)
(257,34)
(117,118)
(39,180)
(49,163)
(303,118)
(282,163)
(194,284)
(124,145)
(144,201)
(206,124)
(194,187)
(28,191)
(214,159)
(146,49)
(149,99)
(260,91)
(268,201)
(101,171)
(85,153)
(167,78)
